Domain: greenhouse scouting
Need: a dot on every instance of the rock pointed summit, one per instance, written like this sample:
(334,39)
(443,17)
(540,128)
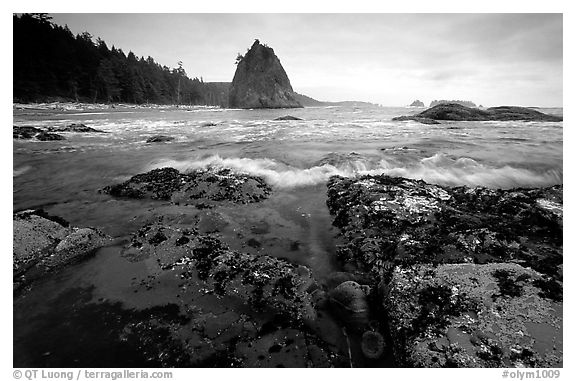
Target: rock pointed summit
(261,82)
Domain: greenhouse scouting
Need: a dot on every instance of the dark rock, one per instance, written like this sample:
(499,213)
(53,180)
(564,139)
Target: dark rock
(29,132)
(520,113)
(208,124)
(456,112)
(410,221)
(443,258)
(417,103)
(287,117)
(159,139)
(261,82)
(350,302)
(75,127)
(25,132)
(43,245)
(47,136)
(240,309)
(200,187)
(373,344)
(264,282)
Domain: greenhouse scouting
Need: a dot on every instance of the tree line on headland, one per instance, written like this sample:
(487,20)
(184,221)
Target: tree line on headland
(50,63)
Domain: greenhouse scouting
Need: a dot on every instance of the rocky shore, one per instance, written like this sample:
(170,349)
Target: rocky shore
(430,276)
(466,277)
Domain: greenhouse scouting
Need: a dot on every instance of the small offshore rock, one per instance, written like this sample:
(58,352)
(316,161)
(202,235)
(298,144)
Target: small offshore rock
(287,117)
(75,127)
(25,132)
(47,136)
(159,139)
(417,103)
(458,112)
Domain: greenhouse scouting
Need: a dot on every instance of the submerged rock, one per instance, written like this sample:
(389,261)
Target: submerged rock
(200,187)
(261,82)
(442,257)
(287,117)
(241,309)
(262,281)
(457,112)
(43,244)
(159,139)
(373,344)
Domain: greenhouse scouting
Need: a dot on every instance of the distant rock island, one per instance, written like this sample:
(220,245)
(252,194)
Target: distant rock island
(444,101)
(260,81)
(417,103)
(457,112)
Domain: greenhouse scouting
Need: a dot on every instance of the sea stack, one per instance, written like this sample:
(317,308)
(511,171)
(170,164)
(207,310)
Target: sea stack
(261,82)
(417,103)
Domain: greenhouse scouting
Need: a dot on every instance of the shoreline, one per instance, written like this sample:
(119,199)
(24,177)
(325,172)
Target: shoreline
(368,279)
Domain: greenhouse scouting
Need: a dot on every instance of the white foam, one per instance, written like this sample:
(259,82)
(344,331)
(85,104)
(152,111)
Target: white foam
(438,169)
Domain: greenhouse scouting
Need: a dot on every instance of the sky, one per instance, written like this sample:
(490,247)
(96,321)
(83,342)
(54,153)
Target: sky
(387,58)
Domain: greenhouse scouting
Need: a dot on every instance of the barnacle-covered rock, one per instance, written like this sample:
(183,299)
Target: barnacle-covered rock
(44,243)
(387,221)
(467,315)
(262,281)
(464,273)
(202,187)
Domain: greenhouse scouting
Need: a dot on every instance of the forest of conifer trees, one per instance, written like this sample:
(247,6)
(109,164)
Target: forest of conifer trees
(50,63)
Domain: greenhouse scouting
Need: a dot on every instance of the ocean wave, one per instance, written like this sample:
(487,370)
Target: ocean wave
(438,169)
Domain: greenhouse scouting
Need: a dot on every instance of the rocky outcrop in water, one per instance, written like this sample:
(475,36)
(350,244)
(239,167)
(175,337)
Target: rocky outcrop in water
(29,132)
(201,188)
(417,103)
(44,243)
(459,102)
(460,271)
(159,139)
(456,112)
(75,127)
(287,117)
(261,82)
